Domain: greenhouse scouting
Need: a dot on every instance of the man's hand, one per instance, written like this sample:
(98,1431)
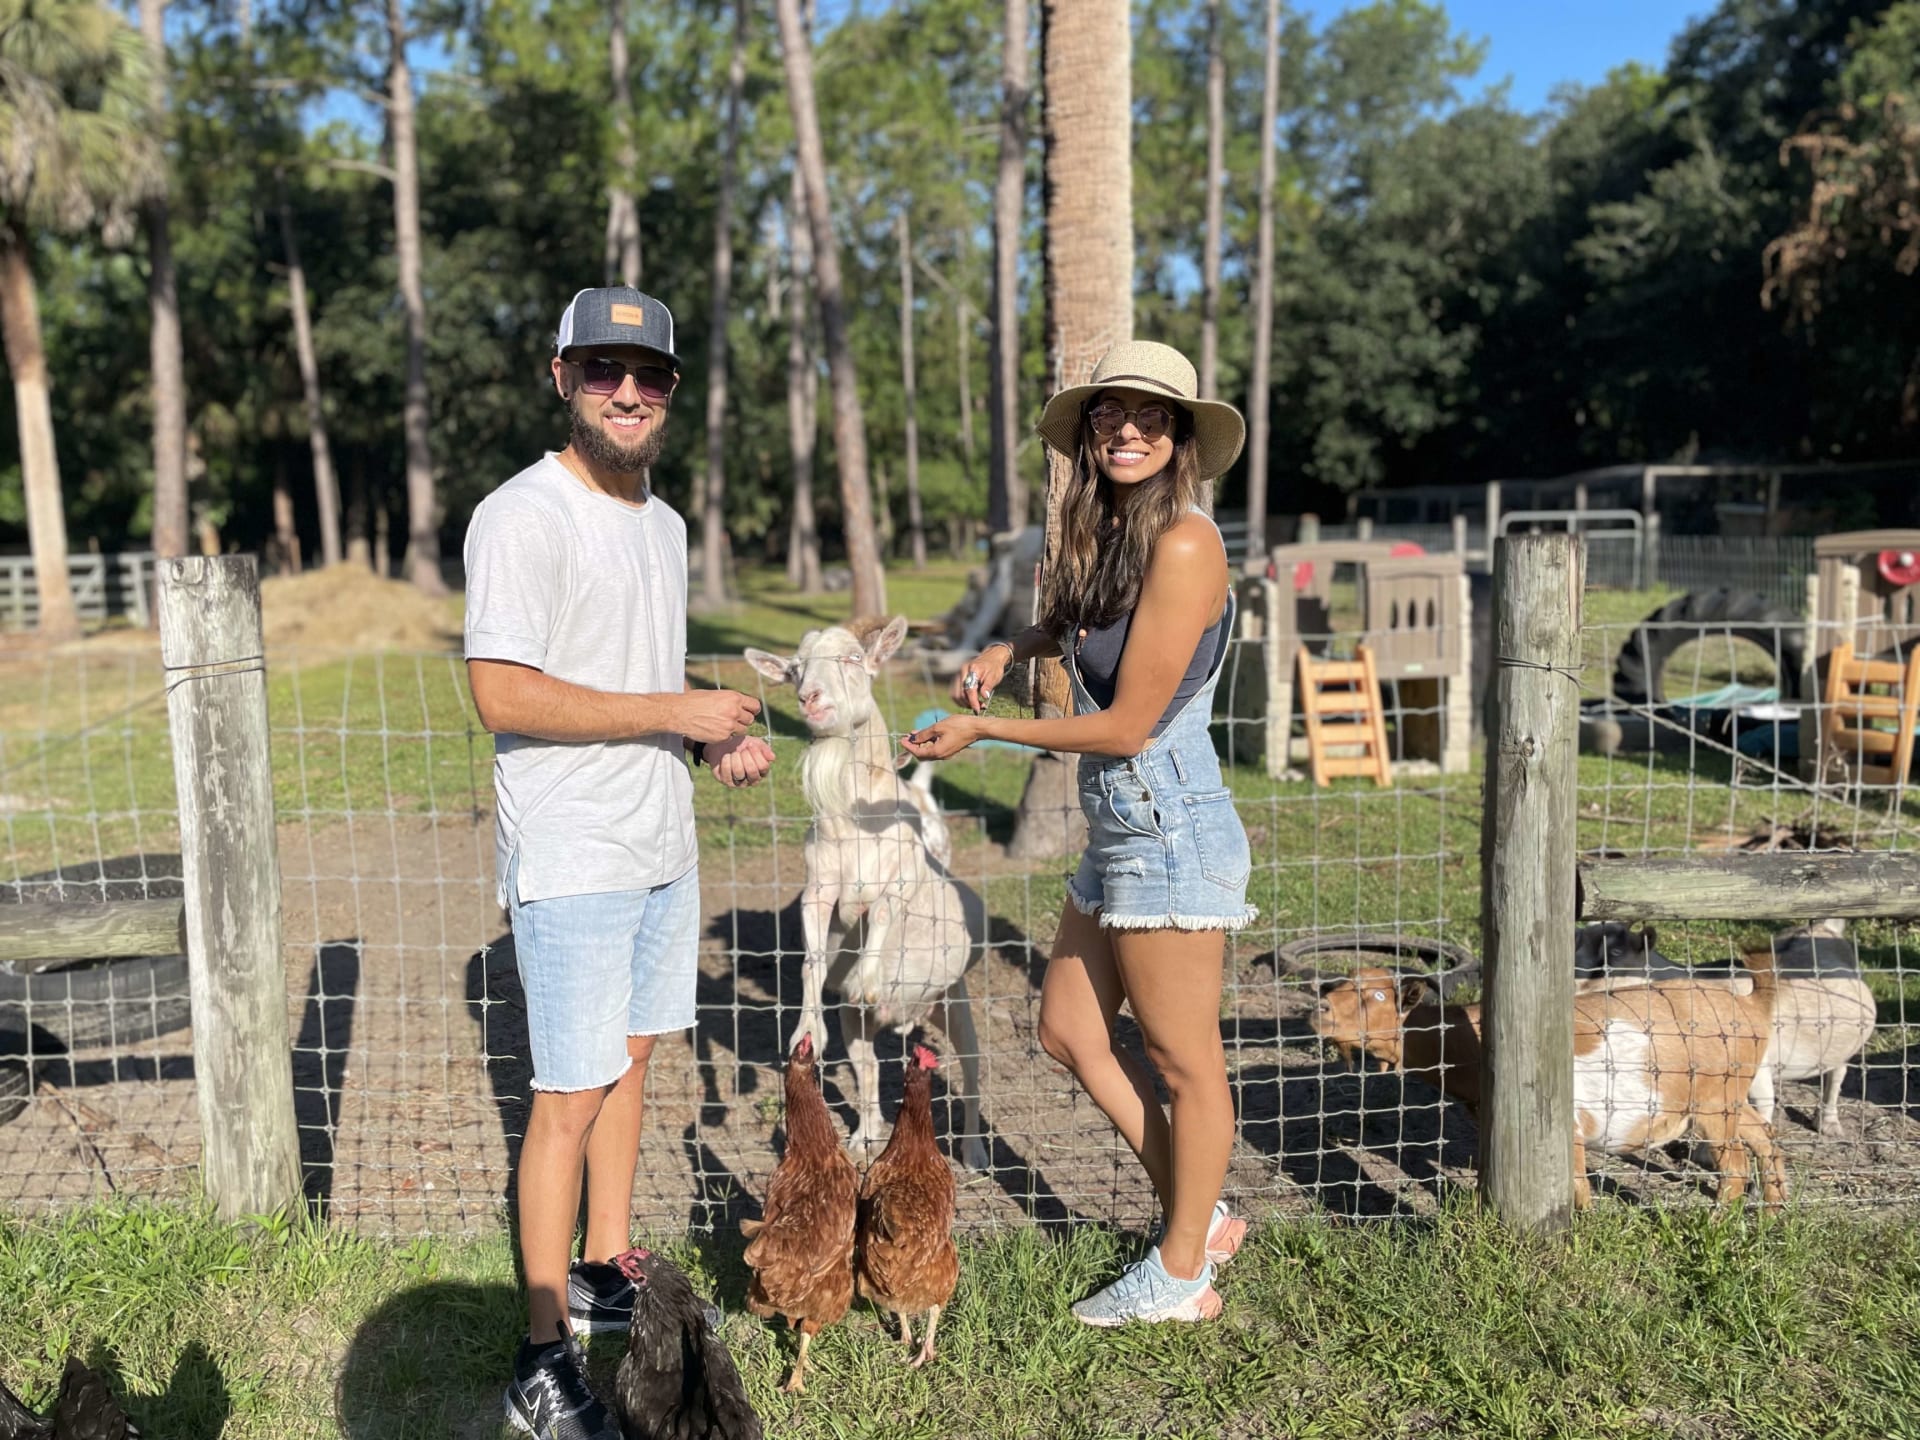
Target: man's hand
(712,715)
(741,761)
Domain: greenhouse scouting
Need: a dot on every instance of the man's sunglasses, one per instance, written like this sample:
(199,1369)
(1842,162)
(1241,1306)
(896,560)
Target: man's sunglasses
(602,376)
(1109,416)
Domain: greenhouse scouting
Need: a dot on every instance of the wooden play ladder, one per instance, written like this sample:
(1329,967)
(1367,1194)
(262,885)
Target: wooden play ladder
(1848,735)
(1348,688)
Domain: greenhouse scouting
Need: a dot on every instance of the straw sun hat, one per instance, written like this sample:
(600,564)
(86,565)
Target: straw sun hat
(1151,369)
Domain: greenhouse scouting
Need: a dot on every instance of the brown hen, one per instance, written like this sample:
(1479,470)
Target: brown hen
(907,1262)
(801,1250)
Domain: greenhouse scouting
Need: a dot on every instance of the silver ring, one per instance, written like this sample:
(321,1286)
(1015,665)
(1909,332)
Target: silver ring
(972,682)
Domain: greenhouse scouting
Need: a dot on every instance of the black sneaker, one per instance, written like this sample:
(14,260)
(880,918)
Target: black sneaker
(599,1298)
(550,1397)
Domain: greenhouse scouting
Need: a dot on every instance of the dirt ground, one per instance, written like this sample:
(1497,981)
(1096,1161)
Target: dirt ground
(408,1028)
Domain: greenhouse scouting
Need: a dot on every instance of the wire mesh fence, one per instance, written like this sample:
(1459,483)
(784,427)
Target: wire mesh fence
(410,1057)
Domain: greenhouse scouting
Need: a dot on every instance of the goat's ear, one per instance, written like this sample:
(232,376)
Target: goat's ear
(774,667)
(882,643)
(1647,940)
(1413,989)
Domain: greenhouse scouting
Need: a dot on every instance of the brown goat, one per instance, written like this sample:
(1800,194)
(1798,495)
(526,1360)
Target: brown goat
(1651,1064)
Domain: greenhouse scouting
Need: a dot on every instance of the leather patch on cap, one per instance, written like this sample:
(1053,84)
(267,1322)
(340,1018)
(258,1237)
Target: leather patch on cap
(628,315)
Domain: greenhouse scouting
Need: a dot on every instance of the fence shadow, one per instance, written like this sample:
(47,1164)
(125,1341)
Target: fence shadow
(498,1008)
(320,1052)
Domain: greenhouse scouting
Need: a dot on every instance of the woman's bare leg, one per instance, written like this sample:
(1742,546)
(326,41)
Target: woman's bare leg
(1172,981)
(1079,999)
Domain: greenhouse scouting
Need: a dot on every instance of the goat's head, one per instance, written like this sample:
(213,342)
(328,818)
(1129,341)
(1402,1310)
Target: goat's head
(1610,945)
(1363,1012)
(833,671)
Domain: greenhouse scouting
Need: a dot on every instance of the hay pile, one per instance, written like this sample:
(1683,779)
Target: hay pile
(348,607)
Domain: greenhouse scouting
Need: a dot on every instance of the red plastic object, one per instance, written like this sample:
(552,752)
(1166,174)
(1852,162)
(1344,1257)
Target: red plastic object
(1302,574)
(1406,547)
(1900,567)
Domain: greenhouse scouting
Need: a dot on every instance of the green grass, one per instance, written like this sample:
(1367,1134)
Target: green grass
(1637,1323)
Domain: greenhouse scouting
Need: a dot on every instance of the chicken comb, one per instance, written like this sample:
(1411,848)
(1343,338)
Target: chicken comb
(925,1058)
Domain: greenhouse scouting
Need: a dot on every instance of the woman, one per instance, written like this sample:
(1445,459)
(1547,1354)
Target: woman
(1139,604)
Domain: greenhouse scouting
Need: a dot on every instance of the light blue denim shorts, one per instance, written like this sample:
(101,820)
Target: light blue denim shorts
(1165,846)
(599,968)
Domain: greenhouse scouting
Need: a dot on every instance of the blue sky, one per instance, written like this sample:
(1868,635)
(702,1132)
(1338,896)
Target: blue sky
(1541,43)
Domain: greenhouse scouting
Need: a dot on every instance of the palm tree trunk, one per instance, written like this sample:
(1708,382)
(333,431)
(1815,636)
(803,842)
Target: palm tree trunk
(423,518)
(163,304)
(1086,49)
(1216,165)
(326,486)
(623,212)
(1257,391)
(915,530)
(1006,490)
(849,425)
(358,516)
(713,535)
(39,465)
(803,396)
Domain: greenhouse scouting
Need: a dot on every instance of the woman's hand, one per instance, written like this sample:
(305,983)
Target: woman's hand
(981,676)
(938,741)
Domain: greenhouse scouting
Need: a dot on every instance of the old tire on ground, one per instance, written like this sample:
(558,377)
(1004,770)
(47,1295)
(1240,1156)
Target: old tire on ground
(98,1002)
(1446,963)
(1778,632)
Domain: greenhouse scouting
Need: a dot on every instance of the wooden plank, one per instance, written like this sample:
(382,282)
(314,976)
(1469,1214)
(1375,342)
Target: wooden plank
(1527,857)
(210,646)
(1340,702)
(1794,886)
(34,936)
(1339,672)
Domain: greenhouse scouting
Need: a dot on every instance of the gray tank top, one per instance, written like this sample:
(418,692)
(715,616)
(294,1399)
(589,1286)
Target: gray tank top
(1097,656)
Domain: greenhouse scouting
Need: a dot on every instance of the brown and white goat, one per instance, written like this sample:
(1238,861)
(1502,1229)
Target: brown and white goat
(884,923)
(1823,1012)
(1651,1063)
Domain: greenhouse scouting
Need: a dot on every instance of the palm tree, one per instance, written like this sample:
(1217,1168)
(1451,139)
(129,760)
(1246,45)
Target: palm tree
(1007,490)
(1086,62)
(1263,303)
(77,150)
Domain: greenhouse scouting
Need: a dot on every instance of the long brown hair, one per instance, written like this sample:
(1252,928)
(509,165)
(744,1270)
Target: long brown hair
(1094,575)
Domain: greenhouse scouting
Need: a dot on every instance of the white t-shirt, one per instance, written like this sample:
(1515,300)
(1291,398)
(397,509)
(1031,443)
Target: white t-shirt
(590,590)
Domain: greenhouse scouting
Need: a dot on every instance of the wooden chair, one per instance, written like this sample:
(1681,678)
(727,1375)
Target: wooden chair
(1348,689)
(1860,693)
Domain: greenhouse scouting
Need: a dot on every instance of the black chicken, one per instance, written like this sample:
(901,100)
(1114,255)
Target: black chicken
(676,1381)
(86,1410)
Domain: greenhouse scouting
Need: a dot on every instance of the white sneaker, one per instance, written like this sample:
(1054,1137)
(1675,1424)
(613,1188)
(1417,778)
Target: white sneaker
(1146,1292)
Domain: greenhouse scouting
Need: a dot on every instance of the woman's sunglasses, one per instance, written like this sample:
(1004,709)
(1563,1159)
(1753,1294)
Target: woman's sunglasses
(1109,416)
(601,376)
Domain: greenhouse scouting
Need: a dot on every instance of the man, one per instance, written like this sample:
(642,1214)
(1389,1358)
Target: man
(576,651)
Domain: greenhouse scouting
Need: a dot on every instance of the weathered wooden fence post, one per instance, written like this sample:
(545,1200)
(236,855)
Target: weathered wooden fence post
(1527,856)
(210,646)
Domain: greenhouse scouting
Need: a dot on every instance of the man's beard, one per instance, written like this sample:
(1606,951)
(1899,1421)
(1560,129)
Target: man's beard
(603,450)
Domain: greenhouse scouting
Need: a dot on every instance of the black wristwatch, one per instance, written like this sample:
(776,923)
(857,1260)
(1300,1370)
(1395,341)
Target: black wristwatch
(697,751)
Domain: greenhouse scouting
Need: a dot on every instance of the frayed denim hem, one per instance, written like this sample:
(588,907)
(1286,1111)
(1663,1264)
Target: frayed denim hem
(1178,922)
(1081,902)
(540,1089)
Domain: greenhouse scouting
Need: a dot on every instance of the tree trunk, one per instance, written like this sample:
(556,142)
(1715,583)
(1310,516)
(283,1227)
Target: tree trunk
(423,507)
(1086,58)
(1257,391)
(1216,165)
(623,212)
(960,314)
(326,487)
(286,538)
(1006,490)
(915,529)
(713,536)
(358,514)
(849,425)
(39,465)
(163,304)
(803,397)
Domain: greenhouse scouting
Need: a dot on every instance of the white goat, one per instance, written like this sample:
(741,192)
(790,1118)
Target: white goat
(884,923)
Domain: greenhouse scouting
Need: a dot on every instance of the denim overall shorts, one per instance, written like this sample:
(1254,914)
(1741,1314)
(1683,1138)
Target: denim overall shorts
(1165,846)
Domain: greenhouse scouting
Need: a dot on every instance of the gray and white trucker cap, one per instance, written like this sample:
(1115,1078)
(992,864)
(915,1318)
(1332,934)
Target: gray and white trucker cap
(616,315)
